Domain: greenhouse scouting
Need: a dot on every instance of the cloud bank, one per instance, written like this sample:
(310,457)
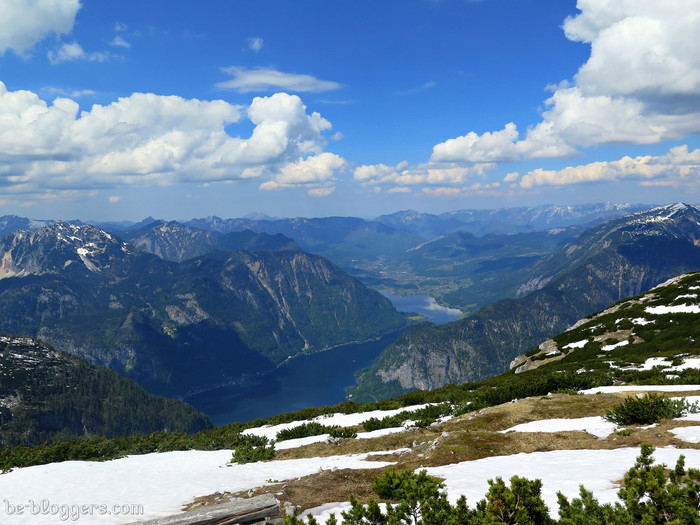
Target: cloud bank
(24,23)
(640,85)
(268,79)
(147,139)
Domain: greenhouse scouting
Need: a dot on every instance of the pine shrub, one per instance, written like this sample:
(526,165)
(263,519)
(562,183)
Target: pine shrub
(647,409)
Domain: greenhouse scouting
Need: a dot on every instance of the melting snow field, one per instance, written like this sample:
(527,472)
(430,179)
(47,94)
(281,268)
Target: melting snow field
(638,388)
(596,425)
(673,309)
(689,434)
(341,420)
(559,470)
(161,483)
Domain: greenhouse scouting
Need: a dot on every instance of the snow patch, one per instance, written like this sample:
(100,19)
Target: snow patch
(559,470)
(689,434)
(639,388)
(341,420)
(673,309)
(597,426)
(608,348)
(162,482)
(577,344)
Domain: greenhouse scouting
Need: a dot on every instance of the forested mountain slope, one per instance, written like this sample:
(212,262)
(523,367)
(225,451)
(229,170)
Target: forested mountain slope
(47,395)
(178,327)
(605,264)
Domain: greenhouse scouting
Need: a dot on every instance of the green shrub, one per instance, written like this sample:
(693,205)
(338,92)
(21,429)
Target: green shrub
(647,409)
(248,453)
(651,495)
(307,429)
(343,433)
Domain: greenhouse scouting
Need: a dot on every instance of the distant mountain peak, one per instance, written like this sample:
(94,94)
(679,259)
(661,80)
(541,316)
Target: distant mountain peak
(56,247)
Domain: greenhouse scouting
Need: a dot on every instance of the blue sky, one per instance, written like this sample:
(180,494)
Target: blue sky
(181,109)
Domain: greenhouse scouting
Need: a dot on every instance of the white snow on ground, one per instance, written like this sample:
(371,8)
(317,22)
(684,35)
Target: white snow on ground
(688,296)
(341,420)
(689,362)
(559,470)
(162,483)
(641,321)
(593,425)
(689,417)
(381,432)
(640,388)
(673,309)
(689,434)
(323,512)
(607,348)
(577,344)
(300,442)
(689,399)
(665,363)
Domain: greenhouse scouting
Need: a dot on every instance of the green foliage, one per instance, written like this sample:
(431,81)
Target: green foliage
(63,397)
(101,449)
(343,433)
(651,495)
(250,453)
(424,417)
(520,504)
(650,408)
(311,428)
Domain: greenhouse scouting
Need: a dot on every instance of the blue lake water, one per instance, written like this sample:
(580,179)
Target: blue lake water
(424,305)
(307,381)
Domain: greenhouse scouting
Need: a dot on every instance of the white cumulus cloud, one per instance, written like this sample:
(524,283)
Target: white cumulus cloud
(314,170)
(24,23)
(147,139)
(268,79)
(640,85)
(71,51)
(403,174)
(677,167)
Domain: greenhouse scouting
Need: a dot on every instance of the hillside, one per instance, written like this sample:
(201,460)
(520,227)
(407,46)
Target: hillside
(465,271)
(544,421)
(87,292)
(346,241)
(173,241)
(607,263)
(47,395)
(507,220)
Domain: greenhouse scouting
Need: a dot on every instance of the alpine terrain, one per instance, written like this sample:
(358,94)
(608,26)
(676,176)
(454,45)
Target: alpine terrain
(177,327)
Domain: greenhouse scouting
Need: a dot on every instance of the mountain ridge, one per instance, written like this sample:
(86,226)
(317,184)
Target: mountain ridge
(88,292)
(623,258)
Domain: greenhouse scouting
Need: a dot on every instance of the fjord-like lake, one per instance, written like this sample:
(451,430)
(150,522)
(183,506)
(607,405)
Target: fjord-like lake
(424,305)
(307,381)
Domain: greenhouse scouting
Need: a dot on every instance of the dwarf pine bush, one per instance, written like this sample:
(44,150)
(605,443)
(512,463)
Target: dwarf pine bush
(647,409)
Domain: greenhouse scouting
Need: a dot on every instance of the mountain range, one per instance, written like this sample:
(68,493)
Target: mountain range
(47,395)
(617,259)
(507,220)
(177,327)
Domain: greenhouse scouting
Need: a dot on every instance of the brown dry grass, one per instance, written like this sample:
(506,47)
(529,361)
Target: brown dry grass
(469,437)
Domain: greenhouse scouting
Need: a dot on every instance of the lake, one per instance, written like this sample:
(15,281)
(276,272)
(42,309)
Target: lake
(307,381)
(424,305)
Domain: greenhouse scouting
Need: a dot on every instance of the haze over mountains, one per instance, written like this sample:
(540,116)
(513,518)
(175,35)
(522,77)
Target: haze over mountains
(174,327)
(182,307)
(617,259)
